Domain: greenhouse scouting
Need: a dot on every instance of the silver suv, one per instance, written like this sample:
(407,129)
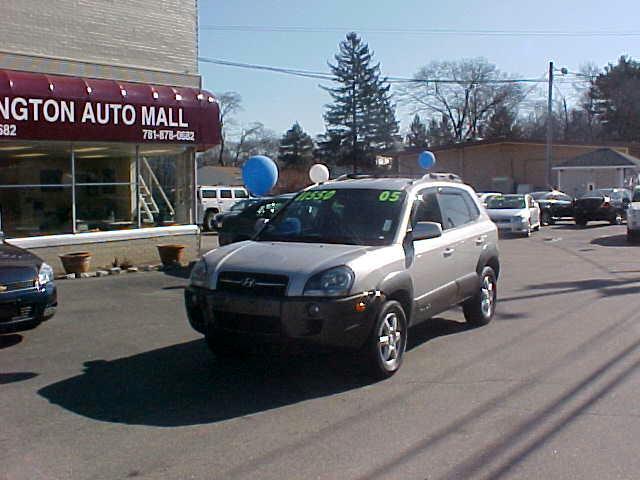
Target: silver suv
(351,263)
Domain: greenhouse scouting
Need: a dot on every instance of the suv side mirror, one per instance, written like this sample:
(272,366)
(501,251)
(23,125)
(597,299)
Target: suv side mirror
(426,230)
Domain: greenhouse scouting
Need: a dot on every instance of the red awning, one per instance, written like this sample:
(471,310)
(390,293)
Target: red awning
(53,107)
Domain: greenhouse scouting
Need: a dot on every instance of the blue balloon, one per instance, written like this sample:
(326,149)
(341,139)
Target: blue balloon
(259,174)
(426,160)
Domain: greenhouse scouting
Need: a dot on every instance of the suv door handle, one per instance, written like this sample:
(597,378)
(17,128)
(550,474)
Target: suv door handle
(480,240)
(448,252)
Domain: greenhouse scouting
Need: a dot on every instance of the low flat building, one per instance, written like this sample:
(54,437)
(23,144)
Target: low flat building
(602,168)
(501,165)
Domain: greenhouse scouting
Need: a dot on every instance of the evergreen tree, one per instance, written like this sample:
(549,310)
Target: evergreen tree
(296,147)
(440,132)
(417,136)
(361,121)
(503,124)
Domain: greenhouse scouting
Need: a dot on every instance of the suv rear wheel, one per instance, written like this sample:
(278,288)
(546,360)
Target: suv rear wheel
(479,309)
(209,222)
(385,348)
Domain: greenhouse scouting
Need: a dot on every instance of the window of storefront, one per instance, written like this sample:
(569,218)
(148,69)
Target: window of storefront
(46,186)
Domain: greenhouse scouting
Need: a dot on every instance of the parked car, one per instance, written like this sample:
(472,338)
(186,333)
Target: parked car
(351,264)
(633,216)
(554,205)
(215,199)
(605,204)
(27,291)
(514,213)
(484,196)
(235,209)
(243,225)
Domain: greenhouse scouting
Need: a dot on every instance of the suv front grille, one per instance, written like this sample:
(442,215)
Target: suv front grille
(256,284)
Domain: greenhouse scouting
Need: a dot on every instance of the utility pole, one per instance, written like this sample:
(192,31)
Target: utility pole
(548,153)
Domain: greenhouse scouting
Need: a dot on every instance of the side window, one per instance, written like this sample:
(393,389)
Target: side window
(455,210)
(208,193)
(240,194)
(225,193)
(427,208)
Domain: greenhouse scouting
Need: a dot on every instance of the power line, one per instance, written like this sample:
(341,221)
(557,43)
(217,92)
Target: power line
(421,31)
(331,77)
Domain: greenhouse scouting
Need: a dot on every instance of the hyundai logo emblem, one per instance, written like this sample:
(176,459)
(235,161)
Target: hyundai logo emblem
(248,282)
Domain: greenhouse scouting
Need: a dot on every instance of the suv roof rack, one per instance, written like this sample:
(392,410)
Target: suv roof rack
(450,177)
(357,176)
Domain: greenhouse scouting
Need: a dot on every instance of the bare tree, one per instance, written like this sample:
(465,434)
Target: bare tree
(230,104)
(255,139)
(466,92)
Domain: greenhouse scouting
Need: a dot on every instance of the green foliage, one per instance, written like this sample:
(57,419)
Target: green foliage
(417,136)
(361,120)
(616,95)
(296,147)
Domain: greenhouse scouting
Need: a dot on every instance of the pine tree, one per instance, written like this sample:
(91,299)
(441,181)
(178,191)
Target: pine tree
(417,136)
(361,121)
(296,147)
(503,124)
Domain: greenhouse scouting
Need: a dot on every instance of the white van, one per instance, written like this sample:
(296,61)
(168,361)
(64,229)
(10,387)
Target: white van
(215,199)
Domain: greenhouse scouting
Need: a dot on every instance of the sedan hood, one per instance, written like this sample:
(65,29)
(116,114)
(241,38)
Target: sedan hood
(298,261)
(503,213)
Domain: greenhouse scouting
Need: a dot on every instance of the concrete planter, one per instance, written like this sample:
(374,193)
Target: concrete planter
(171,254)
(76,262)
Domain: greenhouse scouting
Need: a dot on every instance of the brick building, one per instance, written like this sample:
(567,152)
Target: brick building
(101,115)
(501,165)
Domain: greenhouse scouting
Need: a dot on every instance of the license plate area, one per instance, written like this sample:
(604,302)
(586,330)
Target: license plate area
(246,305)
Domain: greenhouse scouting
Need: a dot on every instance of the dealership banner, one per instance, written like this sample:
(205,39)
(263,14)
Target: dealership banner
(39,107)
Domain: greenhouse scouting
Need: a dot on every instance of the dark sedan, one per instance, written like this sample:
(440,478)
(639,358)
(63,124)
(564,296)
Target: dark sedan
(554,206)
(605,204)
(27,291)
(242,226)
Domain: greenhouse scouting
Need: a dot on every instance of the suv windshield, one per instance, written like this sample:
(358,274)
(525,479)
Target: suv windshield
(349,216)
(507,202)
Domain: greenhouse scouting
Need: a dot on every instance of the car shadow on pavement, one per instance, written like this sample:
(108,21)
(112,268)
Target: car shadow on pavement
(183,385)
(13,377)
(433,328)
(10,340)
(179,271)
(613,241)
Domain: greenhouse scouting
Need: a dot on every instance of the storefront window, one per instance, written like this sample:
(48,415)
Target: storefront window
(166,185)
(35,188)
(117,186)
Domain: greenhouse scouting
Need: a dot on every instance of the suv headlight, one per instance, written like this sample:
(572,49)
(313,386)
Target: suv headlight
(45,274)
(199,274)
(335,282)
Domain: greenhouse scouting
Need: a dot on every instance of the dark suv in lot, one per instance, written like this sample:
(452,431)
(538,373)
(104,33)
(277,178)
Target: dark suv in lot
(554,205)
(351,264)
(605,204)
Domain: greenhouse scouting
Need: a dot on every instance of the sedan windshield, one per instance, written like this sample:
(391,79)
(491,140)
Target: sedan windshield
(506,202)
(354,217)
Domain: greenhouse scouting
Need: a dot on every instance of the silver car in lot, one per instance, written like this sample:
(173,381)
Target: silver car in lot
(351,264)
(514,213)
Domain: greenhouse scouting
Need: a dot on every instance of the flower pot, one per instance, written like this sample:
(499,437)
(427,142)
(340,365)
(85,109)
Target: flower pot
(76,262)
(171,254)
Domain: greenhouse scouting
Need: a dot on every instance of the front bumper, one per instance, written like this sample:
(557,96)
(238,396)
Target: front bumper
(23,309)
(323,321)
(512,226)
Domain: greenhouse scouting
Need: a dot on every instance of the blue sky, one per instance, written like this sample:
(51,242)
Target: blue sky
(278,100)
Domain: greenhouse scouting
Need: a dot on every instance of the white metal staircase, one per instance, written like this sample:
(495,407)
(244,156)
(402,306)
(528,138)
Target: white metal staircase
(148,205)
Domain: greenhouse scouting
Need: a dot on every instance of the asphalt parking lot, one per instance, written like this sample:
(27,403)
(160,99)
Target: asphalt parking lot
(118,386)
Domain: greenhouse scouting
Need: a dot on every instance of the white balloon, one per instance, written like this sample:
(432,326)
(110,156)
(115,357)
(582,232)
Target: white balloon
(319,173)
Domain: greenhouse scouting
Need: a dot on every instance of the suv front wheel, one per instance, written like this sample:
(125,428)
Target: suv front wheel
(385,348)
(479,309)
